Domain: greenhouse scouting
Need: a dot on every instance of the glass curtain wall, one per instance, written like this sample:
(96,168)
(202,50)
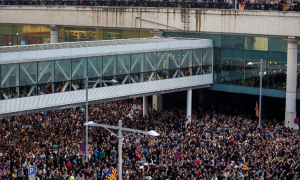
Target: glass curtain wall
(12,35)
(232,53)
(46,77)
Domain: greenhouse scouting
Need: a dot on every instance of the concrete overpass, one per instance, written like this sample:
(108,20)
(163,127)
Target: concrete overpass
(201,20)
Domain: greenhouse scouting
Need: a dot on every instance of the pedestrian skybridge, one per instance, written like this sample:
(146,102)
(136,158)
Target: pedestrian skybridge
(36,78)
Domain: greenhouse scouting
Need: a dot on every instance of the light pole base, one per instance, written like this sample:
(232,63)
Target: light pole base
(289,120)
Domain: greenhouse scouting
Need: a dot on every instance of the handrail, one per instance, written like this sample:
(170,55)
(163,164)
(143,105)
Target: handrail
(145,3)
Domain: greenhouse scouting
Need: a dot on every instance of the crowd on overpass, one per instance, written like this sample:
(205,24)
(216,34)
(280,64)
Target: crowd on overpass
(216,145)
(213,4)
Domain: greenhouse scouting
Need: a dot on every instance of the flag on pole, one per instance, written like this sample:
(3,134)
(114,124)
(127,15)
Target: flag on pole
(111,174)
(256,110)
(242,6)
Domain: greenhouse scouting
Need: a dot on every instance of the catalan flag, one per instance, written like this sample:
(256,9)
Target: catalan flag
(286,7)
(256,110)
(242,6)
(243,166)
(111,174)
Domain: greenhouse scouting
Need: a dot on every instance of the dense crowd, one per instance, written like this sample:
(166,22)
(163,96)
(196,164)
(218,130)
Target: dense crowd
(214,146)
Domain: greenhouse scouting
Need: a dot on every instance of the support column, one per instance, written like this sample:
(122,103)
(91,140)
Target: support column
(157,33)
(145,105)
(157,102)
(120,150)
(189,105)
(291,83)
(54,33)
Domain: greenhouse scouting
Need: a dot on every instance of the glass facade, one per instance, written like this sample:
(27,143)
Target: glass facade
(45,77)
(11,35)
(232,53)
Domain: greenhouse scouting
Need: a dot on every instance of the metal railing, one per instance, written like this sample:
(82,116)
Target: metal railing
(165,3)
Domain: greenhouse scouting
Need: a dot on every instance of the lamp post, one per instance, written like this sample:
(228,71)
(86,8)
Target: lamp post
(87,113)
(260,88)
(120,129)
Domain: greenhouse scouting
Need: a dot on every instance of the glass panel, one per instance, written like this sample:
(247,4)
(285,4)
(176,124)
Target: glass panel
(174,59)
(277,44)
(217,52)
(94,84)
(94,34)
(197,71)
(62,86)
(233,41)
(171,34)
(233,53)
(145,34)
(197,57)
(95,66)
(150,61)
(233,71)
(276,72)
(123,79)
(251,73)
(78,68)
(149,76)
(186,72)
(9,75)
(45,71)
(162,74)
(206,69)
(256,43)
(112,34)
(9,93)
(26,91)
(137,63)
(217,70)
(45,89)
(108,78)
(28,73)
(109,65)
(187,58)
(128,34)
(256,55)
(78,85)
(136,77)
(175,73)
(162,60)
(207,56)
(123,64)
(217,38)
(62,70)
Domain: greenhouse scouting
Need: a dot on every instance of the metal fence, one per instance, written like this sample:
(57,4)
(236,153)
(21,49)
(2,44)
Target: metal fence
(172,4)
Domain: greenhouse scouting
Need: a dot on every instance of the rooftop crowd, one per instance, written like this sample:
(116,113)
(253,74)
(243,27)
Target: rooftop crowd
(212,147)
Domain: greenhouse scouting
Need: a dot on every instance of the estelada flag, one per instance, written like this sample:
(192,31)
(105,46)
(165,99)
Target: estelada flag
(242,6)
(256,110)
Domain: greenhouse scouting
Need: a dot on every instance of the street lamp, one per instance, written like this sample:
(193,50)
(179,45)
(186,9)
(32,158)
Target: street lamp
(87,113)
(260,88)
(120,129)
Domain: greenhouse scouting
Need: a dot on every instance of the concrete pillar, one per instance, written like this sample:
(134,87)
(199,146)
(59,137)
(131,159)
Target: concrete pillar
(157,102)
(291,82)
(189,105)
(157,33)
(145,105)
(54,33)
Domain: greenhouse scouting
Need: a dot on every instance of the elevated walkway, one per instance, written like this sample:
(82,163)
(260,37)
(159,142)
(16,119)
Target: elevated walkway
(36,78)
(248,22)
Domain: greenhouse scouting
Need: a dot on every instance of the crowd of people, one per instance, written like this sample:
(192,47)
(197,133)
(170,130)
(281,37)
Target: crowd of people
(213,146)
